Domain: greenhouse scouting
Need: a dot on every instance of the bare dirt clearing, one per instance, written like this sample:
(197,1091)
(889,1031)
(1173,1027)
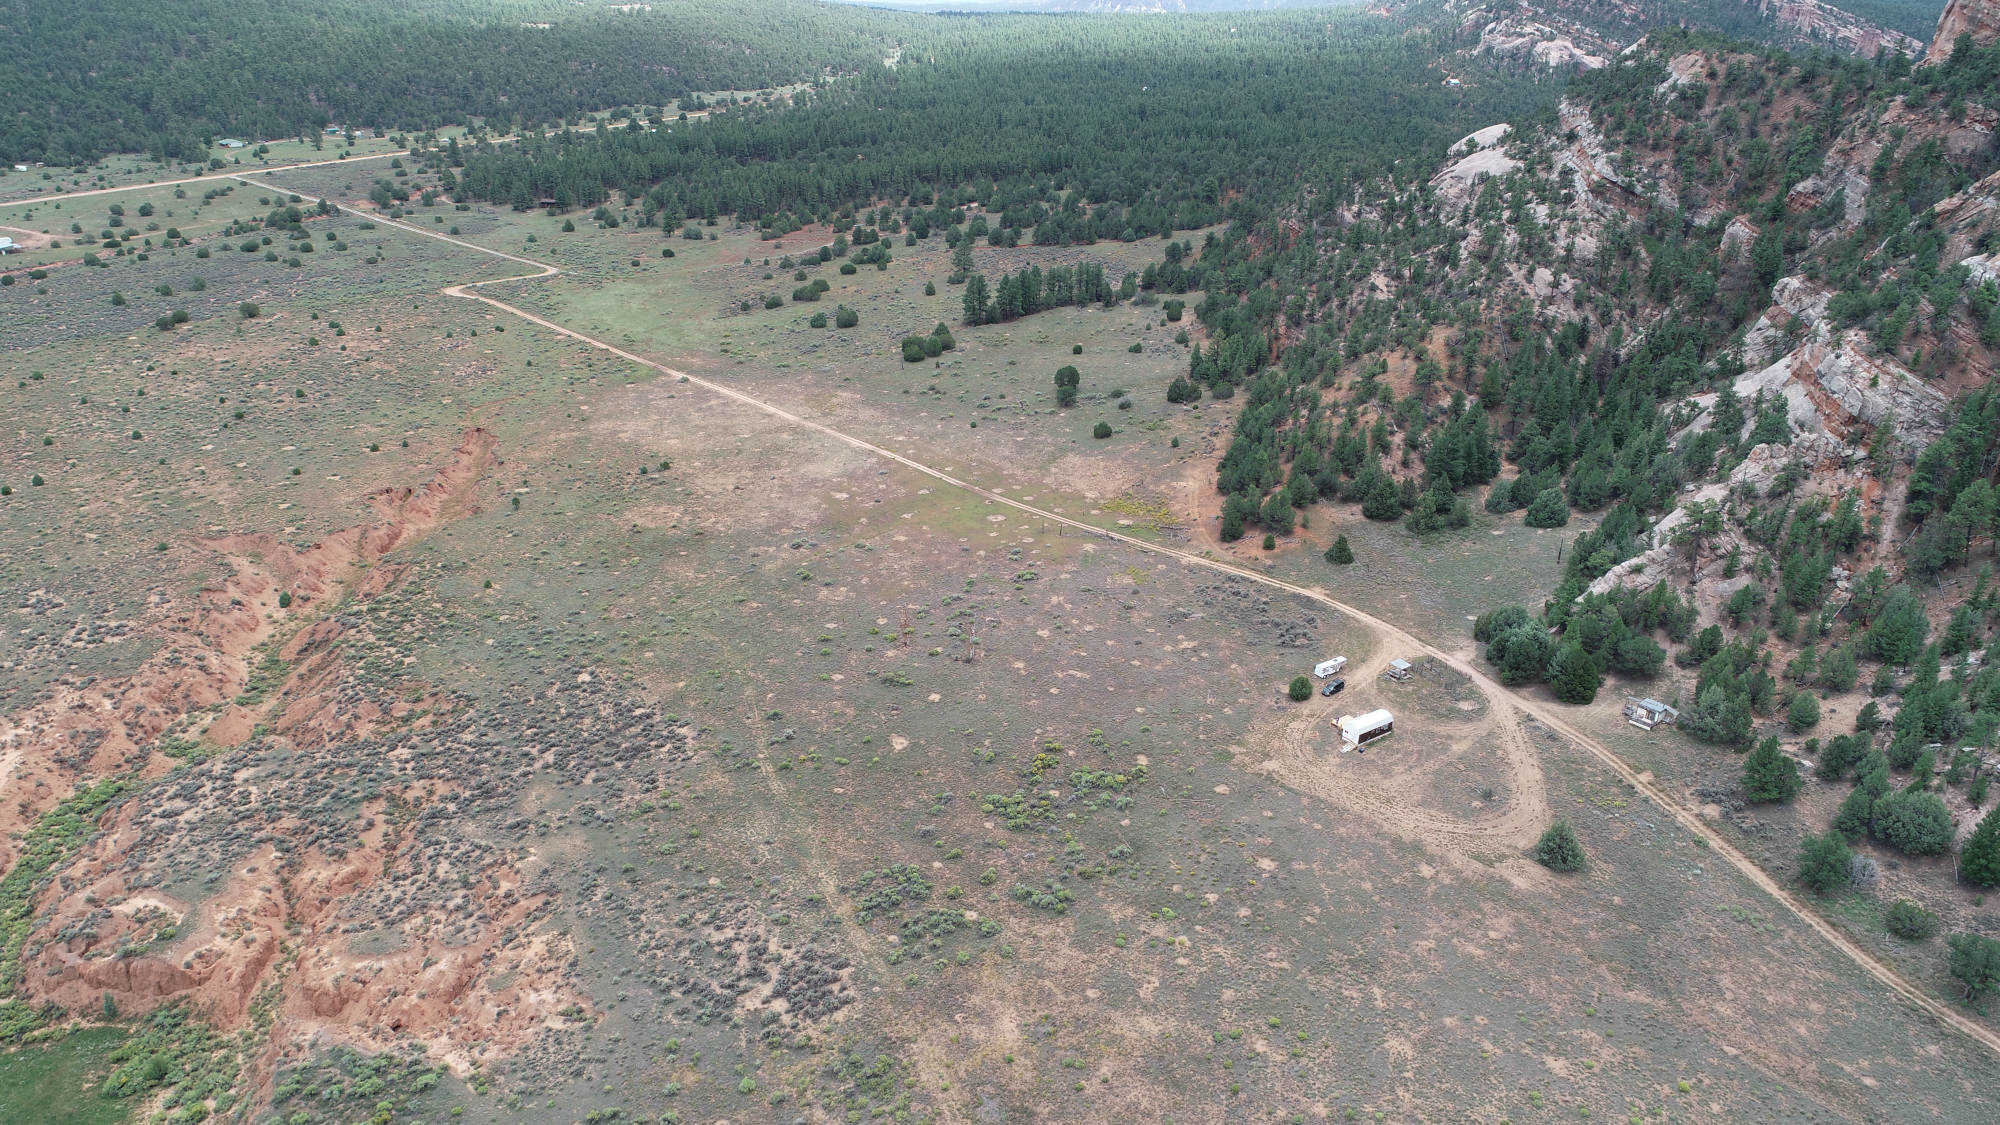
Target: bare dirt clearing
(1398,782)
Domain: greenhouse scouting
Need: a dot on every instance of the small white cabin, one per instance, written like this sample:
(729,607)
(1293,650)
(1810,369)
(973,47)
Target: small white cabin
(1360,730)
(1399,669)
(1649,713)
(1331,666)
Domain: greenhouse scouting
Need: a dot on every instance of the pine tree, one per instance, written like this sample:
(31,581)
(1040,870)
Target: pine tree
(1573,675)
(1803,714)
(1340,554)
(978,306)
(1899,633)
(1521,654)
(1979,861)
(1548,510)
(1851,819)
(1381,502)
(1559,849)
(1769,777)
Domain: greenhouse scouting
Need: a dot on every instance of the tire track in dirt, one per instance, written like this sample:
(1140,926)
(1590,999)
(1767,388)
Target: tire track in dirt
(1503,700)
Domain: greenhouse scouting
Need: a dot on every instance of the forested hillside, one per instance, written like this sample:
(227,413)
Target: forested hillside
(1739,311)
(96,76)
(1168,122)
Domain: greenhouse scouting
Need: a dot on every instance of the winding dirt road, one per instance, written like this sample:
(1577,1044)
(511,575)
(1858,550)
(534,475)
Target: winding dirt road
(1503,700)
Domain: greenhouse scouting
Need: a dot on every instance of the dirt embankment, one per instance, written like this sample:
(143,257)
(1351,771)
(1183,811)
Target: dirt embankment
(102,930)
(280,931)
(90,730)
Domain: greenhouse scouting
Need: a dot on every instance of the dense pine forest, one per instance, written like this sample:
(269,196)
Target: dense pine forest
(1172,125)
(95,77)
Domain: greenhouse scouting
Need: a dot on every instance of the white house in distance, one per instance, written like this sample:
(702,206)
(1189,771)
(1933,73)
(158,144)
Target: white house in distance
(1357,731)
(1331,666)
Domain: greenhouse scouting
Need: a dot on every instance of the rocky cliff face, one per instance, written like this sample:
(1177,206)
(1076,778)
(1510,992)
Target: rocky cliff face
(1826,23)
(1573,35)
(1977,18)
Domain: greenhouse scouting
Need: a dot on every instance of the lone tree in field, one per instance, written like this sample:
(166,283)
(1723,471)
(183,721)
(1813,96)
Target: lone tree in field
(1301,689)
(1769,777)
(1979,861)
(1825,863)
(1340,554)
(1067,380)
(1559,849)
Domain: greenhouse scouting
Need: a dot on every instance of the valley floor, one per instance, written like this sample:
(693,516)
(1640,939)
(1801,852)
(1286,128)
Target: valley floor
(639,699)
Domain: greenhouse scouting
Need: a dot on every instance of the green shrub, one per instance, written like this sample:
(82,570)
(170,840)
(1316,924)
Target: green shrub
(1559,849)
(1769,776)
(1913,823)
(1975,963)
(1825,863)
(1909,921)
(1067,381)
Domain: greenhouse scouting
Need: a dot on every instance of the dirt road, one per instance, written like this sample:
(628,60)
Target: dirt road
(1502,699)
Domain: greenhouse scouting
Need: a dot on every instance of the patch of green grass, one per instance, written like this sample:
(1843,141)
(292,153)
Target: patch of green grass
(60,829)
(57,1083)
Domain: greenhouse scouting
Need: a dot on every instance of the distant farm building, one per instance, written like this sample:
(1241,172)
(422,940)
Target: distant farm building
(1329,667)
(1649,713)
(7,245)
(231,142)
(1357,731)
(1399,669)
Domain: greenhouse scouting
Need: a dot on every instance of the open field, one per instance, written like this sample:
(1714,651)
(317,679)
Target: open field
(58,1083)
(627,745)
(113,173)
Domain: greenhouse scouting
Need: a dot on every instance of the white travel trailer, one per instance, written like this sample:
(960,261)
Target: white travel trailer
(1357,731)
(1329,667)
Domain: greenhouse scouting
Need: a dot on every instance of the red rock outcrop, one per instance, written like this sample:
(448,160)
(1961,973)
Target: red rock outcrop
(1978,18)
